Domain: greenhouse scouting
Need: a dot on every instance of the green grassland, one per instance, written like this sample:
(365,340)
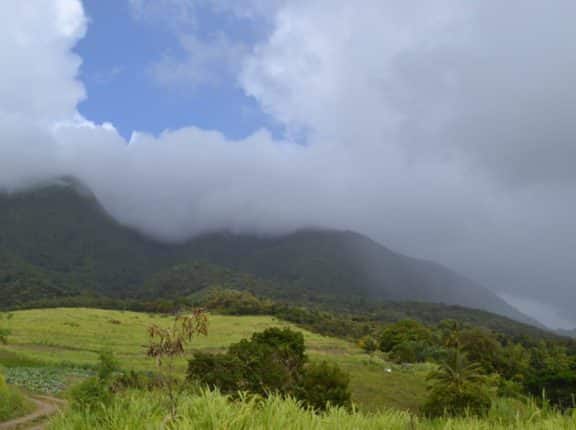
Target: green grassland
(210,410)
(75,336)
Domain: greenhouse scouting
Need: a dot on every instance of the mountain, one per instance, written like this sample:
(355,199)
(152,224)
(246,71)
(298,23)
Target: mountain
(57,241)
(567,333)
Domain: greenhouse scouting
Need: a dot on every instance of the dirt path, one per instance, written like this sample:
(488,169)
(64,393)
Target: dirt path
(45,408)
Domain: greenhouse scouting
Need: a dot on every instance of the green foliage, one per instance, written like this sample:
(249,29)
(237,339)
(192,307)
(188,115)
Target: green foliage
(404,331)
(107,364)
(459,388)
(12,402)
(272,361)
(80,252)
(556,387)
(90,393)
(482,347)
(225,372)
(324,385)
(96,390)
(416,351)
(368,344)
(211,410)
(132,379)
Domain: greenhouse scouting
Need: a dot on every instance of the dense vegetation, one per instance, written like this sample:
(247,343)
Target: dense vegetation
(57,242)
(211,410)
(12,402)
(272,362)
(290,317)
(476,378)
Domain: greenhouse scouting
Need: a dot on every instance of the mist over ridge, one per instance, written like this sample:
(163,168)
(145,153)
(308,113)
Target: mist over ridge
(434,129)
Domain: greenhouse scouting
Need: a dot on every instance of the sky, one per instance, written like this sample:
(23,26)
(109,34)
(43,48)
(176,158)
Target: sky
(445,130)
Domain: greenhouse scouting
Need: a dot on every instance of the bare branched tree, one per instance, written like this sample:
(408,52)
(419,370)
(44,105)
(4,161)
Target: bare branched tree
(169,344)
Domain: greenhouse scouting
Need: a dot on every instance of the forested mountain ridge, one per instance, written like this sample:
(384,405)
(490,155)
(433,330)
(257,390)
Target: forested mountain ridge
(58,241)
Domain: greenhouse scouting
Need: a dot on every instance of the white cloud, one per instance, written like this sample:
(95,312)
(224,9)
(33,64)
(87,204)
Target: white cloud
(406,138)
(38,80)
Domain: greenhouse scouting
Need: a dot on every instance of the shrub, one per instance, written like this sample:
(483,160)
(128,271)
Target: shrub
(272,360)
(222,371)
(136,380)
(107,364)
(12,403)
(97,389)
(324,385)
(558,388)
(468,402)
(90,393)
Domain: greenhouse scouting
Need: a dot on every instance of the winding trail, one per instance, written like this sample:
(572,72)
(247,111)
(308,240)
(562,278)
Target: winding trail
(45,408)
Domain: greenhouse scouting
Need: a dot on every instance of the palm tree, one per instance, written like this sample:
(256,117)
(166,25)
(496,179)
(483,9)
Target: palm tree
(457,373)
(459,388)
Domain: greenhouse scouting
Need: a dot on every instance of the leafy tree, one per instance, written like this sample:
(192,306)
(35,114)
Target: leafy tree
(168,344)
(416,351)
(223,371)
(368,344)
(482,347)
(404,331)
(324,385)
(272,361)
(556,387)
(459,387)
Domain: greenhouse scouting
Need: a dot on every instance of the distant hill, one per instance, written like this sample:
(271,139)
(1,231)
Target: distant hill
(58,241)
(567,333)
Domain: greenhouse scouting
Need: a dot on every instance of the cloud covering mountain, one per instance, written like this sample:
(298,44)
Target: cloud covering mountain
(445,129)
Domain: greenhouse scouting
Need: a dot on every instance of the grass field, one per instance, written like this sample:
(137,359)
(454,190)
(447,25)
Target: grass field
(211,411)
(75,336)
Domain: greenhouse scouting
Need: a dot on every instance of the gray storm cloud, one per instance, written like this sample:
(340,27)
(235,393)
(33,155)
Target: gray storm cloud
(443,129)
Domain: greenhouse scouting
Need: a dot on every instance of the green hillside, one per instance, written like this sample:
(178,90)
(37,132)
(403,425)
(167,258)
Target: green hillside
(76,336)
(57,241)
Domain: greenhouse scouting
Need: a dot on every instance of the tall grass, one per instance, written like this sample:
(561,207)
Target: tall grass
(212,411)
(12,402)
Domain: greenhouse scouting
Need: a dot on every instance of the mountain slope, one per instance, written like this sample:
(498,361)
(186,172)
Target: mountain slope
(63,235)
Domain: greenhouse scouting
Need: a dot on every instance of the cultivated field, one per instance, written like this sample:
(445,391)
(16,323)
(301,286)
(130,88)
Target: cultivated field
(75,336)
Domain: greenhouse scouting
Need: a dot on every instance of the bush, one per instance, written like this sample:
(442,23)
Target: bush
(107,364)
(222,371)
(98,389)
(271,361)
(324,385)
(558,388)
(468,402)
(136,380)
(90,393)
(12,402)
